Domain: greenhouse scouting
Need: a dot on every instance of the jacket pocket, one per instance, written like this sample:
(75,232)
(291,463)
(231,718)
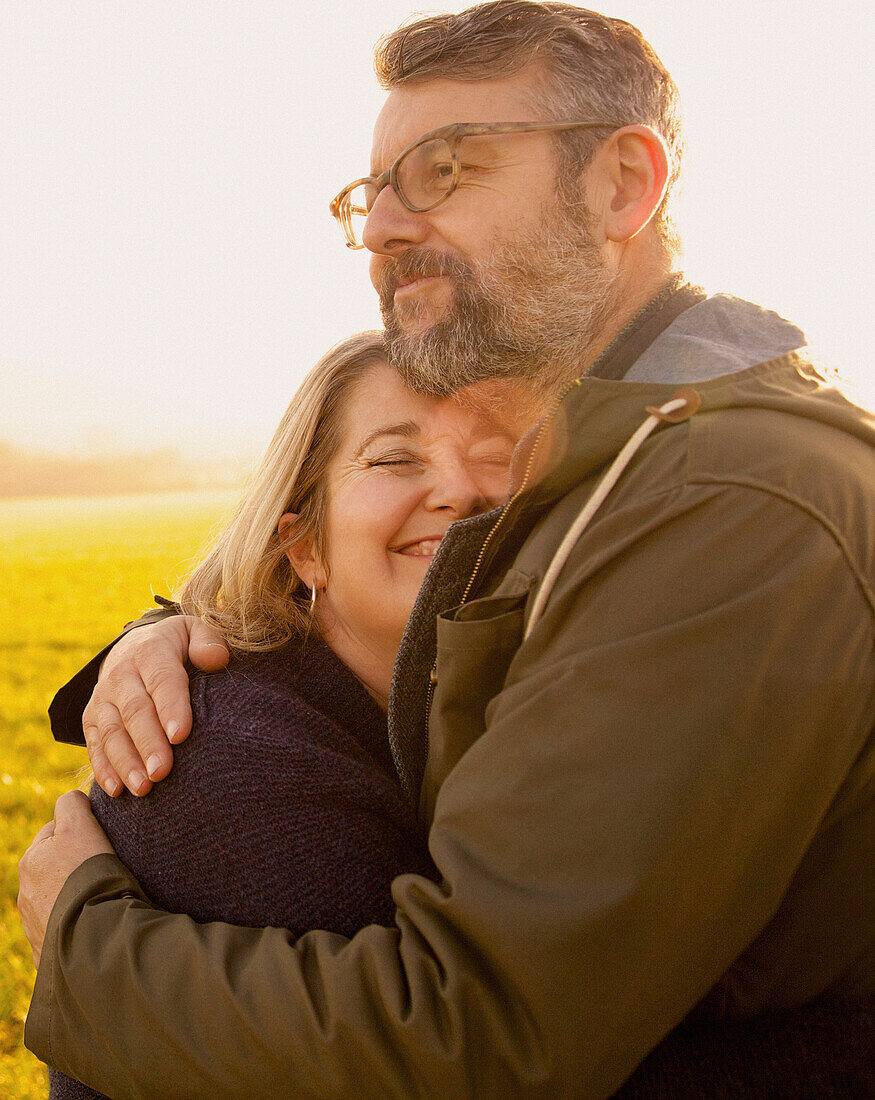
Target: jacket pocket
(475,645)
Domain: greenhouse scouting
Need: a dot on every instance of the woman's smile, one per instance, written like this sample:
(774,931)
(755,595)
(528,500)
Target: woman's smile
(421,548)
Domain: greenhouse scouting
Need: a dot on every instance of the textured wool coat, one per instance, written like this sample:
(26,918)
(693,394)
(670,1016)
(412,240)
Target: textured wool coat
(283,807)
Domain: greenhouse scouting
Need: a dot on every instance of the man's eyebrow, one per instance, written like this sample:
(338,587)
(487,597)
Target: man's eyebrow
(406,429)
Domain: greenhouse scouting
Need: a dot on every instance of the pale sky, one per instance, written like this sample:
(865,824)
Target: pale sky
(169,267)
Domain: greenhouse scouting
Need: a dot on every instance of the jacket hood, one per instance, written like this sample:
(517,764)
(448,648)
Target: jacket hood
(717,336)
(596,417)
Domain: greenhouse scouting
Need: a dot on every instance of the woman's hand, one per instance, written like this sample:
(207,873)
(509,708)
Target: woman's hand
(141,704)
(57,850)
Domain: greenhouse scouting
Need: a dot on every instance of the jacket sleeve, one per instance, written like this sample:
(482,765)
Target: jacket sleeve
(65,710)
(624,828)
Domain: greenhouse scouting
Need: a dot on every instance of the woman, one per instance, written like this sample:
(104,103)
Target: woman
(294,815)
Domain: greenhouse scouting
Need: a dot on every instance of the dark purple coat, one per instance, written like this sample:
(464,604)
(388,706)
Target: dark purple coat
(283,807)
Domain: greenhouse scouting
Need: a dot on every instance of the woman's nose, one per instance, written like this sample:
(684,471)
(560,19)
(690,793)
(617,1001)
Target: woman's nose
(456,492)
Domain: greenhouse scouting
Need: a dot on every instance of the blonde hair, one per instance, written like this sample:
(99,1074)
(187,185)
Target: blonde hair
(594,66)
(244,584)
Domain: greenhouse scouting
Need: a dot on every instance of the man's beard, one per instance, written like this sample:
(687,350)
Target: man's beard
(530,312)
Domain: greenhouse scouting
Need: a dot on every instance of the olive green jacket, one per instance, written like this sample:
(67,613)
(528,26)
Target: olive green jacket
(660,799)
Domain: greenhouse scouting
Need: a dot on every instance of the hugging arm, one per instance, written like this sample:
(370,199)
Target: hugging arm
(130,703)
(602,868)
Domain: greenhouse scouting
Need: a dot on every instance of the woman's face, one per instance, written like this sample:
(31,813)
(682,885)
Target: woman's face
(407,467)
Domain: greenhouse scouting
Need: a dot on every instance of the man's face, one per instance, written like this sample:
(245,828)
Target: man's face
(504,278)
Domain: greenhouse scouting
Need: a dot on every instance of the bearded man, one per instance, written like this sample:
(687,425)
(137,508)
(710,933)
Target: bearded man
(648,772)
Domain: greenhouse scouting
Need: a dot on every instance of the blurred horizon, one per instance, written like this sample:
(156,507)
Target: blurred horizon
(29,474)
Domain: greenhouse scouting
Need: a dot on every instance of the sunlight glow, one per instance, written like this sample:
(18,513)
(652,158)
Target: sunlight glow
(171,268)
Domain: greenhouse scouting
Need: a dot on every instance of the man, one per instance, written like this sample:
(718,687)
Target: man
(648,767)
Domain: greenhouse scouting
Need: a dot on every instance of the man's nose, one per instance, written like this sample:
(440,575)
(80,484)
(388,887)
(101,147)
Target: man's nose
(390,227)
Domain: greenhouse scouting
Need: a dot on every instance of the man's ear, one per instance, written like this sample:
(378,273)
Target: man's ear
(628,180)
(301,554)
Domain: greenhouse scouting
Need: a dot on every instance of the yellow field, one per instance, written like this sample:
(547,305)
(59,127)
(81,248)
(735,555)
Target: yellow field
(72,572)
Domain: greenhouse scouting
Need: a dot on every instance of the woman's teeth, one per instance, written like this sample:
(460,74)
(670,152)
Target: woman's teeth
(425,549)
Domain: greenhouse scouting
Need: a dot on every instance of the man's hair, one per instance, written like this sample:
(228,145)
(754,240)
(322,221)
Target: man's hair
(595,67)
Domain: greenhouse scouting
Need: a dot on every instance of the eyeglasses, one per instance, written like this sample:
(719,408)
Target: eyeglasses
(428,171)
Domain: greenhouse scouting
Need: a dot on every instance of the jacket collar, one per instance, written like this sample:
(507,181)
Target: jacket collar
(629,345)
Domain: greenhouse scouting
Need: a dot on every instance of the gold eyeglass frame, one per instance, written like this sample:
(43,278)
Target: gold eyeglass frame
(343,210)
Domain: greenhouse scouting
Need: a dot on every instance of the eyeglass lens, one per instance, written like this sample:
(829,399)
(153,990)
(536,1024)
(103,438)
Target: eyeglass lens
(424,179)
(425,175)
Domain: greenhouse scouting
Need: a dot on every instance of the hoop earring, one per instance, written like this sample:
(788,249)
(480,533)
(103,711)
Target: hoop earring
(312,599)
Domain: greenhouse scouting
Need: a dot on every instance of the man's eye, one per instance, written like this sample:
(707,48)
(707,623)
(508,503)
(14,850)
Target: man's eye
(439,173)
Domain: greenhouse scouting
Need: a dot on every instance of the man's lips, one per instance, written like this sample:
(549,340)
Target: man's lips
(414,271)
(412,284)
(419,548)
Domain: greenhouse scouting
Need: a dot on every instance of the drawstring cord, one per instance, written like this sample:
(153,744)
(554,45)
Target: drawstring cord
(681,407)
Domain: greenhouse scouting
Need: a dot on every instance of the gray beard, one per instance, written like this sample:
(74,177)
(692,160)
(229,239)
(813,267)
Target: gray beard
(532,312)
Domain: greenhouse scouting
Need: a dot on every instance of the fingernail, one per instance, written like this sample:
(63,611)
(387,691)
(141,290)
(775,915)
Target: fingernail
(153,764)
(172,730)
(113,787)
(136,780)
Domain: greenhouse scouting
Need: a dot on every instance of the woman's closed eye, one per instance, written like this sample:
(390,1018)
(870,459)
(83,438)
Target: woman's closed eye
(397,459)
(496,455)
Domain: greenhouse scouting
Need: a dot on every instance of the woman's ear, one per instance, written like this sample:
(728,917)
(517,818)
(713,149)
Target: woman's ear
(629,176)
(301,554)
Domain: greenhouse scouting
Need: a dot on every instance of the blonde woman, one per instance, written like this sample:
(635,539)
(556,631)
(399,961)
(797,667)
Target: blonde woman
(283,808)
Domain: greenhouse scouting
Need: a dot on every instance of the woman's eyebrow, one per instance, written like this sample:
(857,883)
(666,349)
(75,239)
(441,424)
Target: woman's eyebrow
(488,427)
(406,429)
(492,429)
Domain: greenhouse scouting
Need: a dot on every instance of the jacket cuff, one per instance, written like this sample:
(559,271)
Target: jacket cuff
(101,877)
(65,710)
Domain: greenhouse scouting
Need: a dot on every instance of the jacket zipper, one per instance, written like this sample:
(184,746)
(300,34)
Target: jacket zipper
(551,412)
